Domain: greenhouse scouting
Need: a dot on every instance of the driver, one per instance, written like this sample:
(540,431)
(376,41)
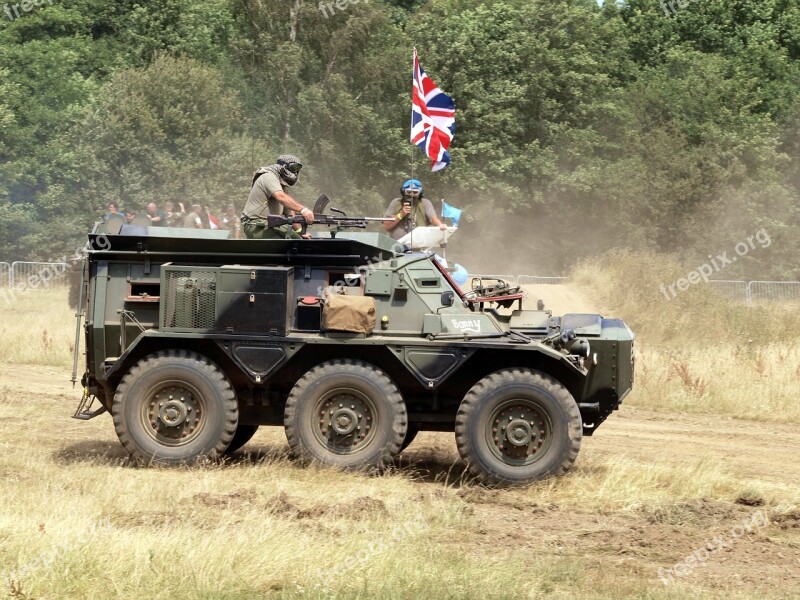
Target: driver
(410,210)
(269,196)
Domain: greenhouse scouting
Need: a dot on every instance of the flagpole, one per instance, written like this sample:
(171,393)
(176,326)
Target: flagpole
(444,238)
(411,128)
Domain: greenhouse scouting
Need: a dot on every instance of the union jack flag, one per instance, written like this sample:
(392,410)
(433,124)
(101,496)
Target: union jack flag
(433,118)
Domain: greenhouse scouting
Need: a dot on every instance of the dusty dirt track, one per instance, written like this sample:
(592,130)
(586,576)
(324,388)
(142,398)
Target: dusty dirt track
(629,544)
(643,541)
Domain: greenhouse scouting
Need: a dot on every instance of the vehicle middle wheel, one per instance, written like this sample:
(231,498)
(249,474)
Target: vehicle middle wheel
(346,413)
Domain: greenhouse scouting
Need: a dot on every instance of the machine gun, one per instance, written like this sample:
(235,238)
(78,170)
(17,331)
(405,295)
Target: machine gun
(338,221)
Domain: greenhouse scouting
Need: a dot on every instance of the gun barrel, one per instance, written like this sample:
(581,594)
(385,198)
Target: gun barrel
(344,221)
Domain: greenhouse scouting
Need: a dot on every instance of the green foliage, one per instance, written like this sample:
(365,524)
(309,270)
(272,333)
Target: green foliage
(200,30)
(340,92)
(167,132)
(669,127)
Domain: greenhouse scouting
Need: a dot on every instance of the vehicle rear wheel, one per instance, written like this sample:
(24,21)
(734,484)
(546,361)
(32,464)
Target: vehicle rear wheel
(244,433)
(175,407)
(516,426)
(346,413)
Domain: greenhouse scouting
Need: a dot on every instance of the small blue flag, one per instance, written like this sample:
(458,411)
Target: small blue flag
(451,212)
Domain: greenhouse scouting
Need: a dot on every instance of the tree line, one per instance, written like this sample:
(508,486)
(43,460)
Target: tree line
(669,127)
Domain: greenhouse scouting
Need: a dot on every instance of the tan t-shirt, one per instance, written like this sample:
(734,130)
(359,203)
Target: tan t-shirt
(425,214)
(261,202)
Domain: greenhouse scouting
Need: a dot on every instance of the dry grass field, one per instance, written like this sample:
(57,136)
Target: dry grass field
(690,491)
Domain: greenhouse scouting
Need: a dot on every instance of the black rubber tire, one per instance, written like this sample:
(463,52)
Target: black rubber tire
(209,389)
(411,433)
(333,380)
(530,388)
(244,433)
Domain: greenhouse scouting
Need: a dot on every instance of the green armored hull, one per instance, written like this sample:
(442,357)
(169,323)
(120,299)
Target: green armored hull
(349,343)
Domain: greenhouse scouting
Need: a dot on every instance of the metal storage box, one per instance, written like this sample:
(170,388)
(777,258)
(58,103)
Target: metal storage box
(230,298)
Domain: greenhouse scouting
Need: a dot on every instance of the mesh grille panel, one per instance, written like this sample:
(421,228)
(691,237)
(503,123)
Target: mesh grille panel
(190,299)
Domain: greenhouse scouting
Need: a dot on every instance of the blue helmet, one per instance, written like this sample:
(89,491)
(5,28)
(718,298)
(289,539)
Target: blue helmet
(411,185)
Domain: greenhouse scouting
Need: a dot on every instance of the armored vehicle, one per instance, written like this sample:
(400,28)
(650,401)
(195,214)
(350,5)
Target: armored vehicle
(349,342)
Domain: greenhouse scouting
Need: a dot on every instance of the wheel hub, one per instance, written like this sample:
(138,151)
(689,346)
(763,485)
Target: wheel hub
(519,431)
(345,420)
(174,414)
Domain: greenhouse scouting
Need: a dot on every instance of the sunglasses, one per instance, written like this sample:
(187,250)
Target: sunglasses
(294,167)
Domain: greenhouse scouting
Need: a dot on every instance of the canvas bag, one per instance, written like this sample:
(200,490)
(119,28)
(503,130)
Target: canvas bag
(349,313)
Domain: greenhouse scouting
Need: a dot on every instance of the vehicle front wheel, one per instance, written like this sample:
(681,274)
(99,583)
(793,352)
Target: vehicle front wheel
(175,407)
(516,426)
(346,413)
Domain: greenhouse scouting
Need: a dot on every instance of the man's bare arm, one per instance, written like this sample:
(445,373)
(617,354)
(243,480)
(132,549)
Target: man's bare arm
(292,204)
(405,210)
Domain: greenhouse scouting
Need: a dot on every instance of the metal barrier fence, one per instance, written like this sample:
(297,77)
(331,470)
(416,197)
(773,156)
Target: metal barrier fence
(741,291)
(506,278)
(774,291)
(5,274)
(730,289)
(536,280)
(754,291)
(36,275)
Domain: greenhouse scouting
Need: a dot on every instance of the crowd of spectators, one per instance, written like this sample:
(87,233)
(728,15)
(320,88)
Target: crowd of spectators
(177,214)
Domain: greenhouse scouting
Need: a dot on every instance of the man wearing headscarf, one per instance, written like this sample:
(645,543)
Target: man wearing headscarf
(269,196)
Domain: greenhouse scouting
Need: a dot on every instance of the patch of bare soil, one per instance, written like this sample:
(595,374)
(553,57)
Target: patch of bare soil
(704,542)
(29,381)
(359,508)
(232,501)
(762,451)
(716,545)
(713,544)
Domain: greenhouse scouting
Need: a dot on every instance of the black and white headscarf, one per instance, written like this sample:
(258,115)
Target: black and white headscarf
(280,169)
